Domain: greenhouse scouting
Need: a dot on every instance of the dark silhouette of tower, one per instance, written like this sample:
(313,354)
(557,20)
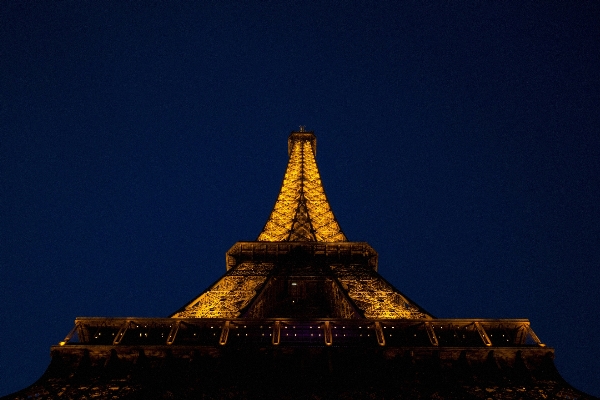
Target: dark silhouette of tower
(301,312)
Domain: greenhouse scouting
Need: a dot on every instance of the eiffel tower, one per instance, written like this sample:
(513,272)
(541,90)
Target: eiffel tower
(301,312)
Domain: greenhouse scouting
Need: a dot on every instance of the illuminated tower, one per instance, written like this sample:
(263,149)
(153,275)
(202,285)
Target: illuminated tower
(301,312)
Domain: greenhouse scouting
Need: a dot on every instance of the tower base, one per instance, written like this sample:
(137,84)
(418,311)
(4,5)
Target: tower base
(299,372)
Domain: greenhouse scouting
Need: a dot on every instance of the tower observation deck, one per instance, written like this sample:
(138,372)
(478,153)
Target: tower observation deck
(301,312)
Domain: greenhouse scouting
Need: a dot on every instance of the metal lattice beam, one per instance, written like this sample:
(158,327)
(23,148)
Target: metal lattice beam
(233,292)
(302,212)
(374,296)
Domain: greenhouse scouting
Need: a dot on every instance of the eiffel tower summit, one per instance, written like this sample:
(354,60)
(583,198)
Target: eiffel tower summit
(302,312)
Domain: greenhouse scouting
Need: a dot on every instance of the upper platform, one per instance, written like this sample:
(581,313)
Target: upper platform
(302,212)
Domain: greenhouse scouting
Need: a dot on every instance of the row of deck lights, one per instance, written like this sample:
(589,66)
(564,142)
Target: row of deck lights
(327,327)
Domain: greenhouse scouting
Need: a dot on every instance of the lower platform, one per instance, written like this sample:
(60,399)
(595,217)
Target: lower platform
(83,371)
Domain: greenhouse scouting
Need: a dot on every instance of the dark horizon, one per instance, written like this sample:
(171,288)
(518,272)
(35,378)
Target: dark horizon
(140,141)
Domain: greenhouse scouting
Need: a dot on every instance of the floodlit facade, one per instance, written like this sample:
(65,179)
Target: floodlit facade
(301,312)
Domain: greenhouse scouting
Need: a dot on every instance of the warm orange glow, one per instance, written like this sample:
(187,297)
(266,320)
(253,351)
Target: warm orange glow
(302,212)
(375,297)
(230,294)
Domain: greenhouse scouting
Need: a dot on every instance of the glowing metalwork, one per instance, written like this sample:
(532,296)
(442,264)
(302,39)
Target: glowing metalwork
(227,297)
(374,296)
(302,287)
(302,212)
(301,227)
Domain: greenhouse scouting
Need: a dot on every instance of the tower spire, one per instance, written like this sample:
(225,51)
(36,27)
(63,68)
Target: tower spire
(302,212)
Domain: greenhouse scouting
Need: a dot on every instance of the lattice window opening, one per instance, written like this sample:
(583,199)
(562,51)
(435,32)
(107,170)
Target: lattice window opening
(249,333)
(457,335)
(198,334)
(363,334)
(308,333)
(146,333)
(405,335)
(504,335)
(102,334)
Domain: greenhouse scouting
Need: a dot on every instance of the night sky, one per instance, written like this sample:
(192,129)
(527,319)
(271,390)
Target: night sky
(140,140)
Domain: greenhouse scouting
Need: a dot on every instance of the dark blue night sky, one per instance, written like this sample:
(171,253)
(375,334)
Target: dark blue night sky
(140,140)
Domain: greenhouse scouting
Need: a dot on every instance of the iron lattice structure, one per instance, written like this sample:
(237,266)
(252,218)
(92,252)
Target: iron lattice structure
(302,279)
(310,253)
(301,313)
(302,212)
